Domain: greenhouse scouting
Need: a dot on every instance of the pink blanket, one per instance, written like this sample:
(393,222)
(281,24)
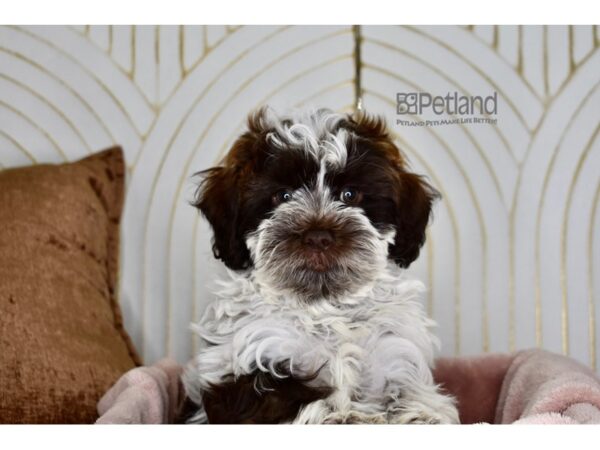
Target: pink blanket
(149,395)
(528,387)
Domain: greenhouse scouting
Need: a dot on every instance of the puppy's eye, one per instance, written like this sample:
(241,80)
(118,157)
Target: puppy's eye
(350,195)
(282,196)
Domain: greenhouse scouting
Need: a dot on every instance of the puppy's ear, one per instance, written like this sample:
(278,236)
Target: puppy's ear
(220,194)
(218,198)
(415,198)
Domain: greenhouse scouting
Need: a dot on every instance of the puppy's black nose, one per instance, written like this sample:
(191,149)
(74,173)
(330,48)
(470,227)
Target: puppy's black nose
(318,239)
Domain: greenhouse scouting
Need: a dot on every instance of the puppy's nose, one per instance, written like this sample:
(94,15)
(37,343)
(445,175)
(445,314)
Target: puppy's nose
(318,239)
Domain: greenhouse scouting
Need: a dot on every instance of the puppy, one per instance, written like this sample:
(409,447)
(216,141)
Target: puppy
(316,214)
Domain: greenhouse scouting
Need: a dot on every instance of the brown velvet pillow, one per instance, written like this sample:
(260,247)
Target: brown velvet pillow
(62,342)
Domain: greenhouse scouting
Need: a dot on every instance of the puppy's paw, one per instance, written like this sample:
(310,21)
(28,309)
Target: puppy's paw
(355,417)
(413,412)
(321,412)
(313,413)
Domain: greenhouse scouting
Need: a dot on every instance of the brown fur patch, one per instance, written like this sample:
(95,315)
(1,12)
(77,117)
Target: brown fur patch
(259,398)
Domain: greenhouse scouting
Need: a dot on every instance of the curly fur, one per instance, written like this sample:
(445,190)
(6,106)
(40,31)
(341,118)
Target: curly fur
(346,342)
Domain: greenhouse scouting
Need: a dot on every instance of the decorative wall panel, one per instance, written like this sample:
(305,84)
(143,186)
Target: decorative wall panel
(513,256)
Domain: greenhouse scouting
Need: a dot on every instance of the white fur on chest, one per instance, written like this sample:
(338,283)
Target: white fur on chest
(367,347)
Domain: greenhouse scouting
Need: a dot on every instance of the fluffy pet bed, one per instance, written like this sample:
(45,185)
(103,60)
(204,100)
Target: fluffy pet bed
(528,387)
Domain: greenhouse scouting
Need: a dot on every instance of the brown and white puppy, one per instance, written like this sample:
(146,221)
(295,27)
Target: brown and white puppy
(316,213)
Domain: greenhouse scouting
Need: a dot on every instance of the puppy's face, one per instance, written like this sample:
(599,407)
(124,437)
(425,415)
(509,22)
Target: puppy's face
(315,203)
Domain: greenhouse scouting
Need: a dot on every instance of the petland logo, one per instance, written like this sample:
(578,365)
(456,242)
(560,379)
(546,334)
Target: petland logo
(461,109)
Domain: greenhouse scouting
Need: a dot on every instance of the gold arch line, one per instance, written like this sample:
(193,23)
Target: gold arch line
(99,82)
(35,126)
(58,112)
(563,245)
(67,88)
(519,68)
(289,81)
(564,306)
(328,89)
(22,149)
(205,90)
(591,304)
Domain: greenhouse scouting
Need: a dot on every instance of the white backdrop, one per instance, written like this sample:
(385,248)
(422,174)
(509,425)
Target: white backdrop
(513,256)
